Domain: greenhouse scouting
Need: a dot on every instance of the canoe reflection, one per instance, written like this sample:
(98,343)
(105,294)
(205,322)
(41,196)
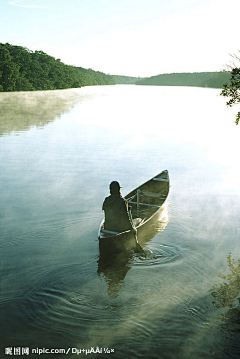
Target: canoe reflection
(115,254)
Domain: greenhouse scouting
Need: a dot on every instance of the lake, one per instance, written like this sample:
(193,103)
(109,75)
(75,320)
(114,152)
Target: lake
(59,150)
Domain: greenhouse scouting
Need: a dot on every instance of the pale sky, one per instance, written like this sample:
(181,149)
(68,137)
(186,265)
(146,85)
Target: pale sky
(127,37)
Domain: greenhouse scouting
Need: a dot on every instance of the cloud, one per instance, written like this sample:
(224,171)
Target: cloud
(26,4)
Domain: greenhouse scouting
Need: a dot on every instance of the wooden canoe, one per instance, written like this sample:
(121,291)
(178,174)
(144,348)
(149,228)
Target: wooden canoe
(147,202)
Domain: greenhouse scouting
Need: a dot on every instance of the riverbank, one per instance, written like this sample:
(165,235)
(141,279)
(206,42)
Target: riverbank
(197,79)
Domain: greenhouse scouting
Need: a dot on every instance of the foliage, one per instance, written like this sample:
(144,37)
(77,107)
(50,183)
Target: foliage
(25,70)
(196,79)
(227,293)
(232,90)
(125,79)
(227,298)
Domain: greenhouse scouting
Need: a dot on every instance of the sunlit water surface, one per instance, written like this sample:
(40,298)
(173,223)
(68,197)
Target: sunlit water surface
(59,150)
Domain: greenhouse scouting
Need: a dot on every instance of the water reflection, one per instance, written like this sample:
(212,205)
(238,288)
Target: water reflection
(115,258)
(52,182)
(227,297)
(19,111)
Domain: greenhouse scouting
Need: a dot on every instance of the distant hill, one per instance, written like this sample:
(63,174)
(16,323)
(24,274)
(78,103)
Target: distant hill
(126,80)
(24,70)
(196,79)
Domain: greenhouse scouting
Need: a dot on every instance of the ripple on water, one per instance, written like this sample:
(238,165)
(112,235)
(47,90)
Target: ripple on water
(41,230)
(70,297)
(159,255)
(75,299)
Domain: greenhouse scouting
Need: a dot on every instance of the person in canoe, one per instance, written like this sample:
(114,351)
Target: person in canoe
(116,209)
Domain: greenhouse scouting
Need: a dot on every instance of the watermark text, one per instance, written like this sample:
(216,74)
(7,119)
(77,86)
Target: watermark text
(20,351)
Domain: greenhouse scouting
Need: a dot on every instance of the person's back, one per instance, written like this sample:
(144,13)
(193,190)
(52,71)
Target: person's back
(116,211)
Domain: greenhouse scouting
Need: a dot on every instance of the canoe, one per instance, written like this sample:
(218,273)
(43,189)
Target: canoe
(147,202)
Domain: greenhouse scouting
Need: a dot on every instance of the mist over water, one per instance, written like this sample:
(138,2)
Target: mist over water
(59,150)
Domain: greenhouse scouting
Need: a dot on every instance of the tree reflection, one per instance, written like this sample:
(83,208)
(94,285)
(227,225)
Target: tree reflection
(227,295)
(19,111)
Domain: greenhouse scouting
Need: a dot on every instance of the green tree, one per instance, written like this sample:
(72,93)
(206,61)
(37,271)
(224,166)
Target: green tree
(21,57)
(24,70)
(232,90)
(8,70)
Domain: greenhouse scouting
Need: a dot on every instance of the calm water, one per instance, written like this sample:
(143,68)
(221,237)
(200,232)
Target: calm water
(59,150)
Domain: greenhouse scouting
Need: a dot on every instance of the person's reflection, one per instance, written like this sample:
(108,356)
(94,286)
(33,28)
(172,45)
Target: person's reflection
(114,267)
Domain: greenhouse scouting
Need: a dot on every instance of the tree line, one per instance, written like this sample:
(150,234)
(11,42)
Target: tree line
(24,70)
(126,80)
(196,79)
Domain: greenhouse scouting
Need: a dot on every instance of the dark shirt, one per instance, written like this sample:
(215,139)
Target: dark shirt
(116,214)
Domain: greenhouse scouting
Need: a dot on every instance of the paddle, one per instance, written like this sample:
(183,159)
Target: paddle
(139,248)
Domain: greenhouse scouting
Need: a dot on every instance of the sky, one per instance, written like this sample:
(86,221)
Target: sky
(139,38)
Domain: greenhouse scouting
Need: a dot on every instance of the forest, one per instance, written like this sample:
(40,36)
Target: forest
(24,70)
(196,79)
(126,80)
